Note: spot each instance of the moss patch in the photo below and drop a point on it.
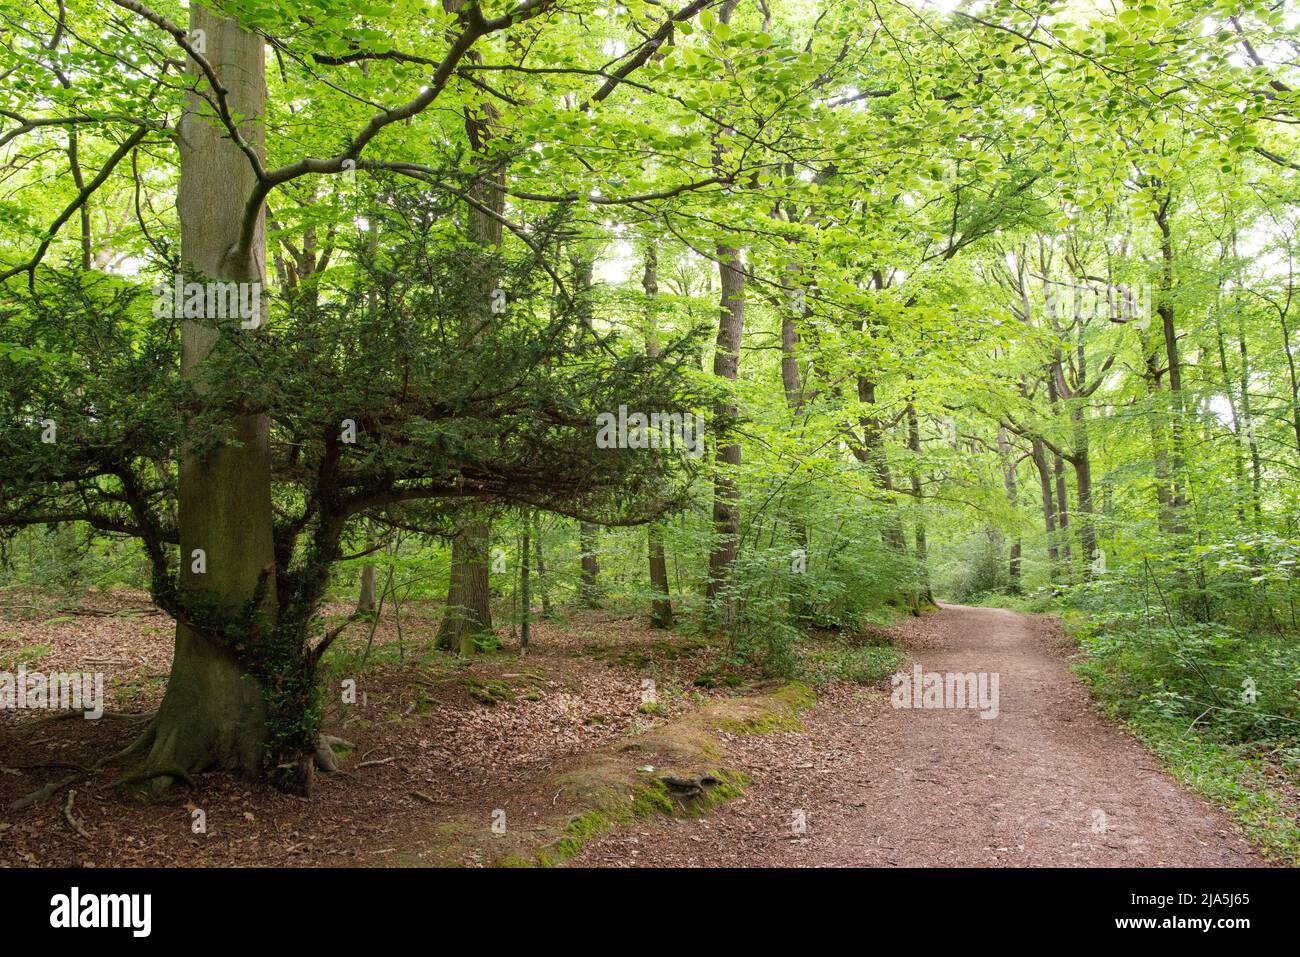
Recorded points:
(762, 724)
(675, 770)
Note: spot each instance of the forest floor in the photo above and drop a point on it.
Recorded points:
(442, 747)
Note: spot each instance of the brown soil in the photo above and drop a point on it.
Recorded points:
(431, 761)
(880, 786)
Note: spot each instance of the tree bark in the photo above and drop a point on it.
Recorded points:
(726, 491)
(1165, 309)
(468, 615)
(918, 495)
(525, 593)
(726, 364)
(366, 600)
(589, 583)
(541, 572)
(1013, 495)
(661, 606)
(213, 715)
(873, 454)
(1039, 457)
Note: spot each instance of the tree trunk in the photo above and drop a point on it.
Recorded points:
(468, 615)
(1058, 466)
(1009, 482)
(726, 491)
(661, 606)
(1238, 466)
(1081, 459)
(589, 583)
(1049, 508)
(873, 454)
(366, 601)
(1156, 426)
(918, 495)
(213, 715)
(1256, 465)
(541, 572)
(1165, 309)
(726, 364)
(525, 594)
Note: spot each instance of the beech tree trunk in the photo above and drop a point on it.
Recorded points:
(1049, 506)
(1013, 495)
(873, 454)
(661, 606)
(542, 585)
(366, 601)
(213, 715)
(918, 493)
(726, 491)
(525, 594)
(1165, 310)
(726, 363)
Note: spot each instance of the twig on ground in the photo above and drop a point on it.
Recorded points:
(67, 813)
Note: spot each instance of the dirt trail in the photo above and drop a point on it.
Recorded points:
(1049, 781)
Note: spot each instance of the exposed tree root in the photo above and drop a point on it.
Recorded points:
(67, 813)
(43, 793)
(47, 791)
(135, 716)
(173, 771)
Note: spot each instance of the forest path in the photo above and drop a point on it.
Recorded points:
(1048, 781)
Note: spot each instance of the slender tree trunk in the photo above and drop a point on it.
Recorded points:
(1165, 309)
(1039, 456)
(918, 495)
(726, 491)
(366, 601)
(1058, 469)
(726, 364)
(542, 584)
(589, 583)
(1156, 427)
(1013, 495)
(1234, 410)
(525, 593)
(873, 454)
(661, 606)
(1081, 459)
(1248, 420)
